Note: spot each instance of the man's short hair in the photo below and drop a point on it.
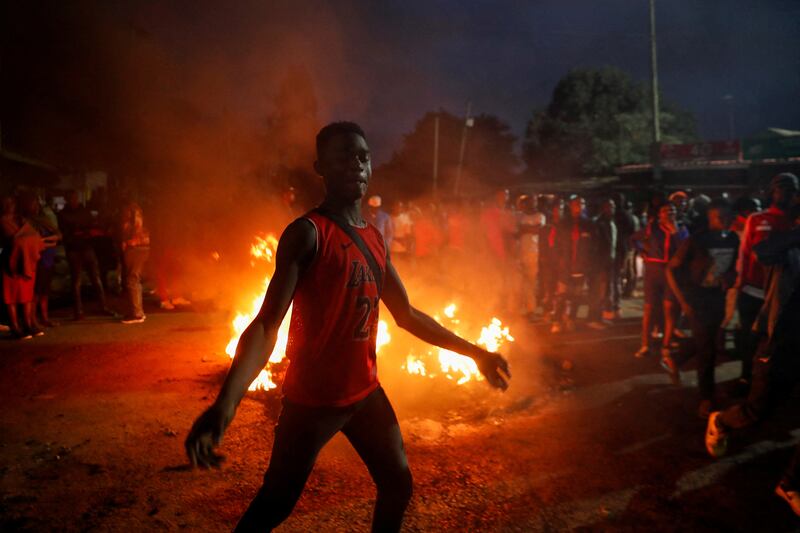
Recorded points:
(337, 128)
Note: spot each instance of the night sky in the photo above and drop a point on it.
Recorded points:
(385, 64)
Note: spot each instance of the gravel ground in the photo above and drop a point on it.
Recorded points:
(587, 438)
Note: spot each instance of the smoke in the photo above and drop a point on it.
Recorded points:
(203, 111)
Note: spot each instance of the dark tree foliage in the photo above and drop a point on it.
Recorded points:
(597, 119)
(489, 158)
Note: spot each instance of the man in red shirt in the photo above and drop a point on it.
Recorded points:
(751, 280)
(331, 384)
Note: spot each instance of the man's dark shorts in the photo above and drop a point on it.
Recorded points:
(656, 288)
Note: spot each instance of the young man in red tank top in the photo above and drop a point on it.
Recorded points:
(331, 384)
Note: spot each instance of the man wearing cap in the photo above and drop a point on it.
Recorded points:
(380, 218)
(777, 368)
(751, 281)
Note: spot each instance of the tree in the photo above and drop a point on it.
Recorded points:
(489, 158)
(597, 119)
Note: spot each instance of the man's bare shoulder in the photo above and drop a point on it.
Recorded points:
(298, 241)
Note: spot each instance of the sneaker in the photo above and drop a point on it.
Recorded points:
(36, 332)
(680, 334)
(656, 334)
(133, 320)
(167, 305)
(555, 327)
(705, 409)
(596, 325)
(20, 336)
(181, 301)
(609, 315)
(642, 352)
(716, 437)
(668, 364)
(4, 327)
(791, 496)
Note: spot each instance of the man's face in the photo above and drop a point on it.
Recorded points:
(609, 207)
(576, 207)
(783, 197)
(345, 166)
(667, 214)
(681, 203)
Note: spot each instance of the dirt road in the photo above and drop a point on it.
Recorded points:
(94, 416)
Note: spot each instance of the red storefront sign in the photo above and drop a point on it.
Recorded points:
(706, 151)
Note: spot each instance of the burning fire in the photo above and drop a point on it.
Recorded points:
(453, 366)
(262, 249)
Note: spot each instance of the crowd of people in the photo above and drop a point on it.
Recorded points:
(95, 242)
(706, 265)
(712, 264)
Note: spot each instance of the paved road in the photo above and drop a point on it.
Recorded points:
(94, 416)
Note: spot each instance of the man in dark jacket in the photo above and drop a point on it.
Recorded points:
(603, 283)
(627, 225)
(574, 244)
(76, 225)
(699, 274)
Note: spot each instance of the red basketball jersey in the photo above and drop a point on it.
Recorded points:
(334, 324)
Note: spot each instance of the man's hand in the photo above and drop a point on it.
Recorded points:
(206, 433)
(494, 368)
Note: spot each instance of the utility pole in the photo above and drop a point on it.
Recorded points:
(655, 156)
(467, 124)
(436, 156)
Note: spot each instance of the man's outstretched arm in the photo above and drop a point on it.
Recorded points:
(491, 365)
(295, 249)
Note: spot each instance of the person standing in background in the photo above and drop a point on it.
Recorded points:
(751, 281)
(21, 248)
(499, 227)
(548, 257)
(380, 218)
(658, 242)
(529, 224)
(627, 226)
(705, 264)
(75, 222)
(602, 282)
(47, 229)
(134, 242)
(574, 251)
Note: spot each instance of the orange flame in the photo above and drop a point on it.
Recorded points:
(262, 249)
(453, 366)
